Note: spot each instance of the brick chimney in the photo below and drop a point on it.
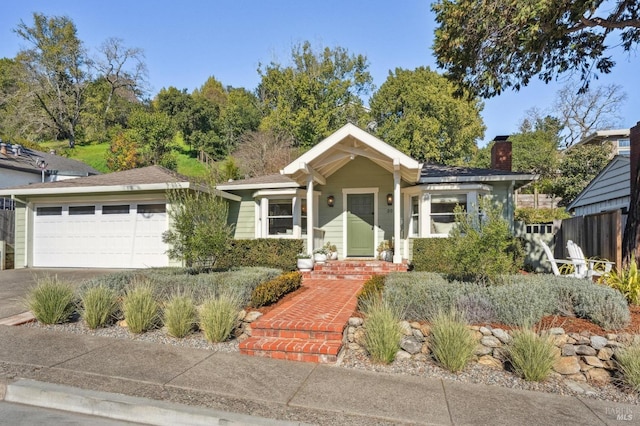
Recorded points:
(634, 154)
(501, 154)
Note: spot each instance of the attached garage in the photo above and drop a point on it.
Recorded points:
(100, 235)
(114, 220)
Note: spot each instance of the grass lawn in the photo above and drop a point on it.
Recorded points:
(94, 155)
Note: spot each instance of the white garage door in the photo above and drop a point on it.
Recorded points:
(100, 235)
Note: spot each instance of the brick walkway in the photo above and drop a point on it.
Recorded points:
(308, 327)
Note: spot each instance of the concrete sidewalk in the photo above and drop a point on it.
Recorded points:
(228, 386)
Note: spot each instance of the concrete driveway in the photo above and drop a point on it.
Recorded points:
(15, 283)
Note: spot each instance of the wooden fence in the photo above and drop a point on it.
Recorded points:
(599, 235)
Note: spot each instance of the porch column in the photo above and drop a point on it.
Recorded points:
(397, 256)
(310, 214)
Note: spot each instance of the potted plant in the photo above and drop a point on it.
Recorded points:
(332, 251)
(320, 255)
(305, 262)
(385, 251)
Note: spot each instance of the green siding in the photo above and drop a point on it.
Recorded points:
(20, 234)
(242, 216)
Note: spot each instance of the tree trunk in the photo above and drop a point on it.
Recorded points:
(631, 235)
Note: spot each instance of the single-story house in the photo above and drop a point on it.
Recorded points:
(113, 220)
(352, 190)
(355, 191)
(608, 191)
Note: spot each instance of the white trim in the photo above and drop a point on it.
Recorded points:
(257, 186)
(495, 178)
(447, 187)
(96, 189)
(376, 229)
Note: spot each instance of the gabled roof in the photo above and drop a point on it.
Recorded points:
(344, 145)
(151, 178)
(602, 135)
(437, 173)
(259, 182)
(619, 161)
(28, 161)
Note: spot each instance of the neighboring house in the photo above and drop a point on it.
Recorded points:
(608, 191)
(114, 220)
(21, 166)
(355, 191)
(619, 139)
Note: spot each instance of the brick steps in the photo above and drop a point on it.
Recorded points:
(353, 269)
(293, 349)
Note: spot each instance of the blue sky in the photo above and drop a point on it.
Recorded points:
(187, 41)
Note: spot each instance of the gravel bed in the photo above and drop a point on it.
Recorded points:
(353, 359)
(194, 340)
(480, 374)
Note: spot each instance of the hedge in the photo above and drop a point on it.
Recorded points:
(271, 291)
(268, 252)
(430, 255)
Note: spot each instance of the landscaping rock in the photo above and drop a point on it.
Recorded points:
(558, 339)
(252, 316)
(402, 356)
(502, 335)
(568, 350)
(425, 329)
(585, 350)
(405, 327)
(418, 335)
(598, 342)
(578, 377)
(420, 357)
(567, 365)
(605, 354)
(490, 361)
(584, 367)
(482, 350)
(491, 342)
(614, 344)
(501, 354)
(355, 321)
(242, 314)
(593, 361)
(598, 375)
(411, 345)
(359, 337)
(556, 331)
(610, 365)
(415, 325)
(611, 336)
(486, 331)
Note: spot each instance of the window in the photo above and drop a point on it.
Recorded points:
(280, 217)
(442, 216)
(624, 142)
(151, 208)
(303, 216)
(415, 216)
(49, 211)
(119, 209)
(7, 204)
(81, 210)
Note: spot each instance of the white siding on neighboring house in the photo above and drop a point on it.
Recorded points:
(10, 177)
(608, 191)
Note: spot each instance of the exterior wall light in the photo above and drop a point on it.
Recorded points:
(389, 199)
(331, 200)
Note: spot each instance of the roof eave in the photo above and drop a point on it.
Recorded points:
(95, 189)
(242, 186)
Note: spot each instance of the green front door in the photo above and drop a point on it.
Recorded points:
(360, 212)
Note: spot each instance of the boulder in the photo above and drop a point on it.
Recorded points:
(567, 365)
(411, 345)
(486, 331)
(598, 342)
(355, 321)
(405, 327)
(568, 350)
(585, 350)
(252, 316)
(402, 356)
(359, 337)
(491, 342)
(482, 350)
(417, 334)
(556, 331)
(502, 335)
(605, 354)
(593, 361)
(598, 375)
(490, 361)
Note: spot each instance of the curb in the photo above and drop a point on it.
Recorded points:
(122, 407)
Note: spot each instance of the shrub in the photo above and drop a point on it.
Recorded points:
(51, 301)
(372, 288)
(603, 305)
(180, 315)
(476, 308)
(540, 215)
(271, 291)
(117, 282)
(382, 330)
(431, 255)
(266, 252)
(532, 356)
(99, 306)
(522, 303)
(628, 360)
(419, 295)
(483, 250)
(219, 315)
(139, 307)
(626, 281)
(452, 343)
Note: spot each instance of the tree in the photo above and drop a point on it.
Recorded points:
(593, 109)
(316, 95)
(239, 115)
(153, 133)
(263, 153)
(578, 166)
(417, 112)
(123, 153)
(493, 45)
(200, 232)
(57, 72)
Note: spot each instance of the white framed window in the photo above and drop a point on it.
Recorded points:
(280, 217)
(414, 229)
(442, 217)
(303, 216)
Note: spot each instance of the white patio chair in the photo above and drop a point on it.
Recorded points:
(554, 262)
(587, 268)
